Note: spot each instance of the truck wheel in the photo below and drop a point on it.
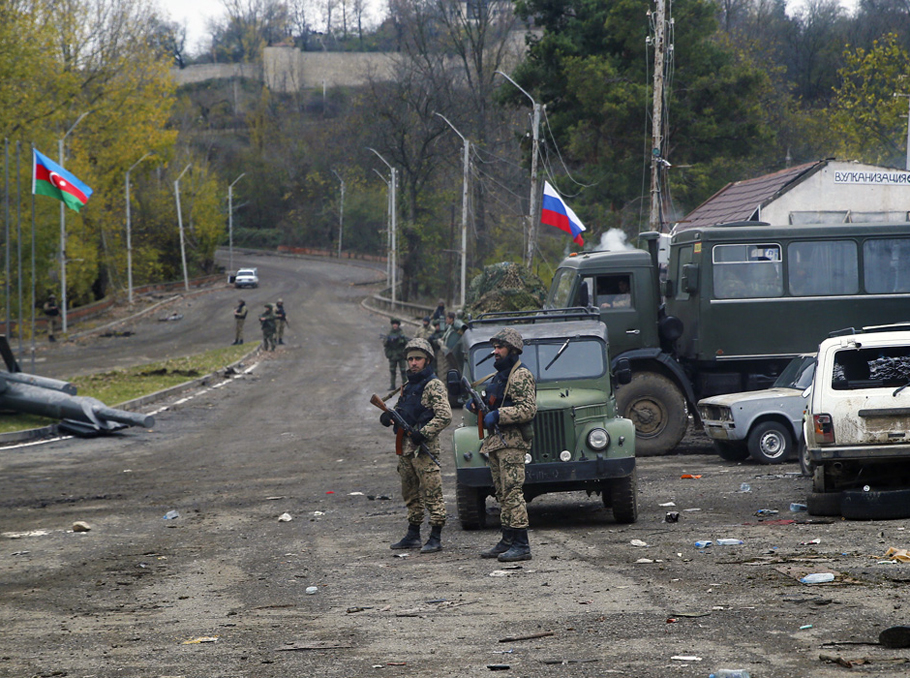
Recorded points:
(875, 504)
(730, 451)
(472, 506)
(623, 496)
(823, 503)
(770, 443)
(658, 410)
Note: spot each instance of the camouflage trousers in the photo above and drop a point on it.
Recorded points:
(238, 329)
(421, 488)
(400, 365)
(268, 340)
(508, 468)
(281, 325)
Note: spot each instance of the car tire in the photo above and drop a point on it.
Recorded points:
(806, 466)
(624, 499)
(657, 408)
(770, 443)
(824, 503)
(730, 451)
(472, 506)
(875, 504)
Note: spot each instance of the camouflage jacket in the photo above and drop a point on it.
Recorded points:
(394, 344)
(423, 332)
(434, 398)
(521, 391)
(267, 320)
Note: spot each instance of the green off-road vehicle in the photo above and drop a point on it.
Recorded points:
(580, 443)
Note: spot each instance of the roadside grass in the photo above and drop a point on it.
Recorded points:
(119, 386)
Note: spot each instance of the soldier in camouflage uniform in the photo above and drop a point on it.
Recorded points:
(512, 399)
(394, 344)
(424, 405)
(425, 329)
(267, 322)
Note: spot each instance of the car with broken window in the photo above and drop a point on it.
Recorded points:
(766, 424)
(857, 425)
(580, 441)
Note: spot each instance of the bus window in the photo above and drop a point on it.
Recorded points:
(747, 271)
(882, 269)
(822, 267)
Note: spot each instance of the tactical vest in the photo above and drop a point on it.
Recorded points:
(495, 399)
(409, 405)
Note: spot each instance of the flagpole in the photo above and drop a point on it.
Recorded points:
(6, 230)
(60, 143)
(129, 235)
(34, 291)
(19, 241)
(186, 279)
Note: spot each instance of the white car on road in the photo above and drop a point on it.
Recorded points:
(246, 277)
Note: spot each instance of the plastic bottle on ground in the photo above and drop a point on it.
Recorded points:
(703, 544)
(795, 507)
(817, 578)
(730, 673)
(729, 542)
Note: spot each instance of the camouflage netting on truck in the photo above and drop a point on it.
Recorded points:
(505, 286)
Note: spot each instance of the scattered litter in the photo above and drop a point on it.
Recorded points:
(544, 634)
(729, 542)
(691, 510)
(685, 658)
(690, 476)
(355, 494)
(811, 542)
(352, 610)
(897, 554)
(643, 561)
(330, 491)
(499, 573)
(745, 487)
(401, 555)
(318, 513)
(200, 639)
(20, 553)
(638, 542)
(566, 662)
(498, 667)
(81, 526)
(796, 507)
(311, 645)
(273, 498)
(703, 544)
(285, 518)
(805, 627)
(310, 590)
(172, 316)
(767, 512)
(171, 515)
(671, 517)
(817, 578)
(669, 504)
(512, 651)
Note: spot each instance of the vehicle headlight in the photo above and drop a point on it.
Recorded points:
(598, 439)
(565, 455)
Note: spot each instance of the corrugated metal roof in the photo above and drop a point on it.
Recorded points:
(741, 200)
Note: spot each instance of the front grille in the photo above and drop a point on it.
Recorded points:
(549, 436)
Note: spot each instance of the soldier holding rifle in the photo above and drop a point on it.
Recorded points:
(419, 417)
(508, 411)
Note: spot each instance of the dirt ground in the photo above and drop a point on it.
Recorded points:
(221, 590)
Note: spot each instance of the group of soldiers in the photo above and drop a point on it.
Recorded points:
(508, 410)
(273, 322)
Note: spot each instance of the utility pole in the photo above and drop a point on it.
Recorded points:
(186, 278)
(464, 206)
(388, 225)
(129, 237)
(657, 107)
(534, 217)
(340, 213)
(231, 222)
(393, 246)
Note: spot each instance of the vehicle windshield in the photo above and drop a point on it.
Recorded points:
(583, 358)
(797, 374)
(561, 288)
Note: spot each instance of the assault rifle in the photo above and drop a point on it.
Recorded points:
(482, 410)
(402, 427)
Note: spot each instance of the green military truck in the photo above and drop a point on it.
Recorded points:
(580, 442)
(735, 303)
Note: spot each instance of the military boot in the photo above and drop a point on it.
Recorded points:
(520, 550)
(411, 540)
(433, 543)
(504, 544)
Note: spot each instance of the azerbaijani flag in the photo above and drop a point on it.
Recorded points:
(52, 180)
(557, 213)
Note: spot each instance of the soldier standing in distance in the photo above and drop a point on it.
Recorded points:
(239, 319)
(394, 343)
(425, 329)
(281, 318)
(424, 405)
(512, 399)
(267, 322)
(52, 311)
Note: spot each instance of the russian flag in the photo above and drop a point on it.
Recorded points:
(557, 213)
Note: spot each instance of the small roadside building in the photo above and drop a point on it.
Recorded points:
(823, 192)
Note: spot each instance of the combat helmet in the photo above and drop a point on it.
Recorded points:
(419, 345)
(510, 338)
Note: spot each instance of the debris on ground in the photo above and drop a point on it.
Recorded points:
(81, 526)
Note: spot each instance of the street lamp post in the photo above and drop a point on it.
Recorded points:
(186, 278)
(129, 242)
(340, 213)
(388, 225)
(231, 221)
(393, 246)
(532, 226)
(60, 143)
(464, 206)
